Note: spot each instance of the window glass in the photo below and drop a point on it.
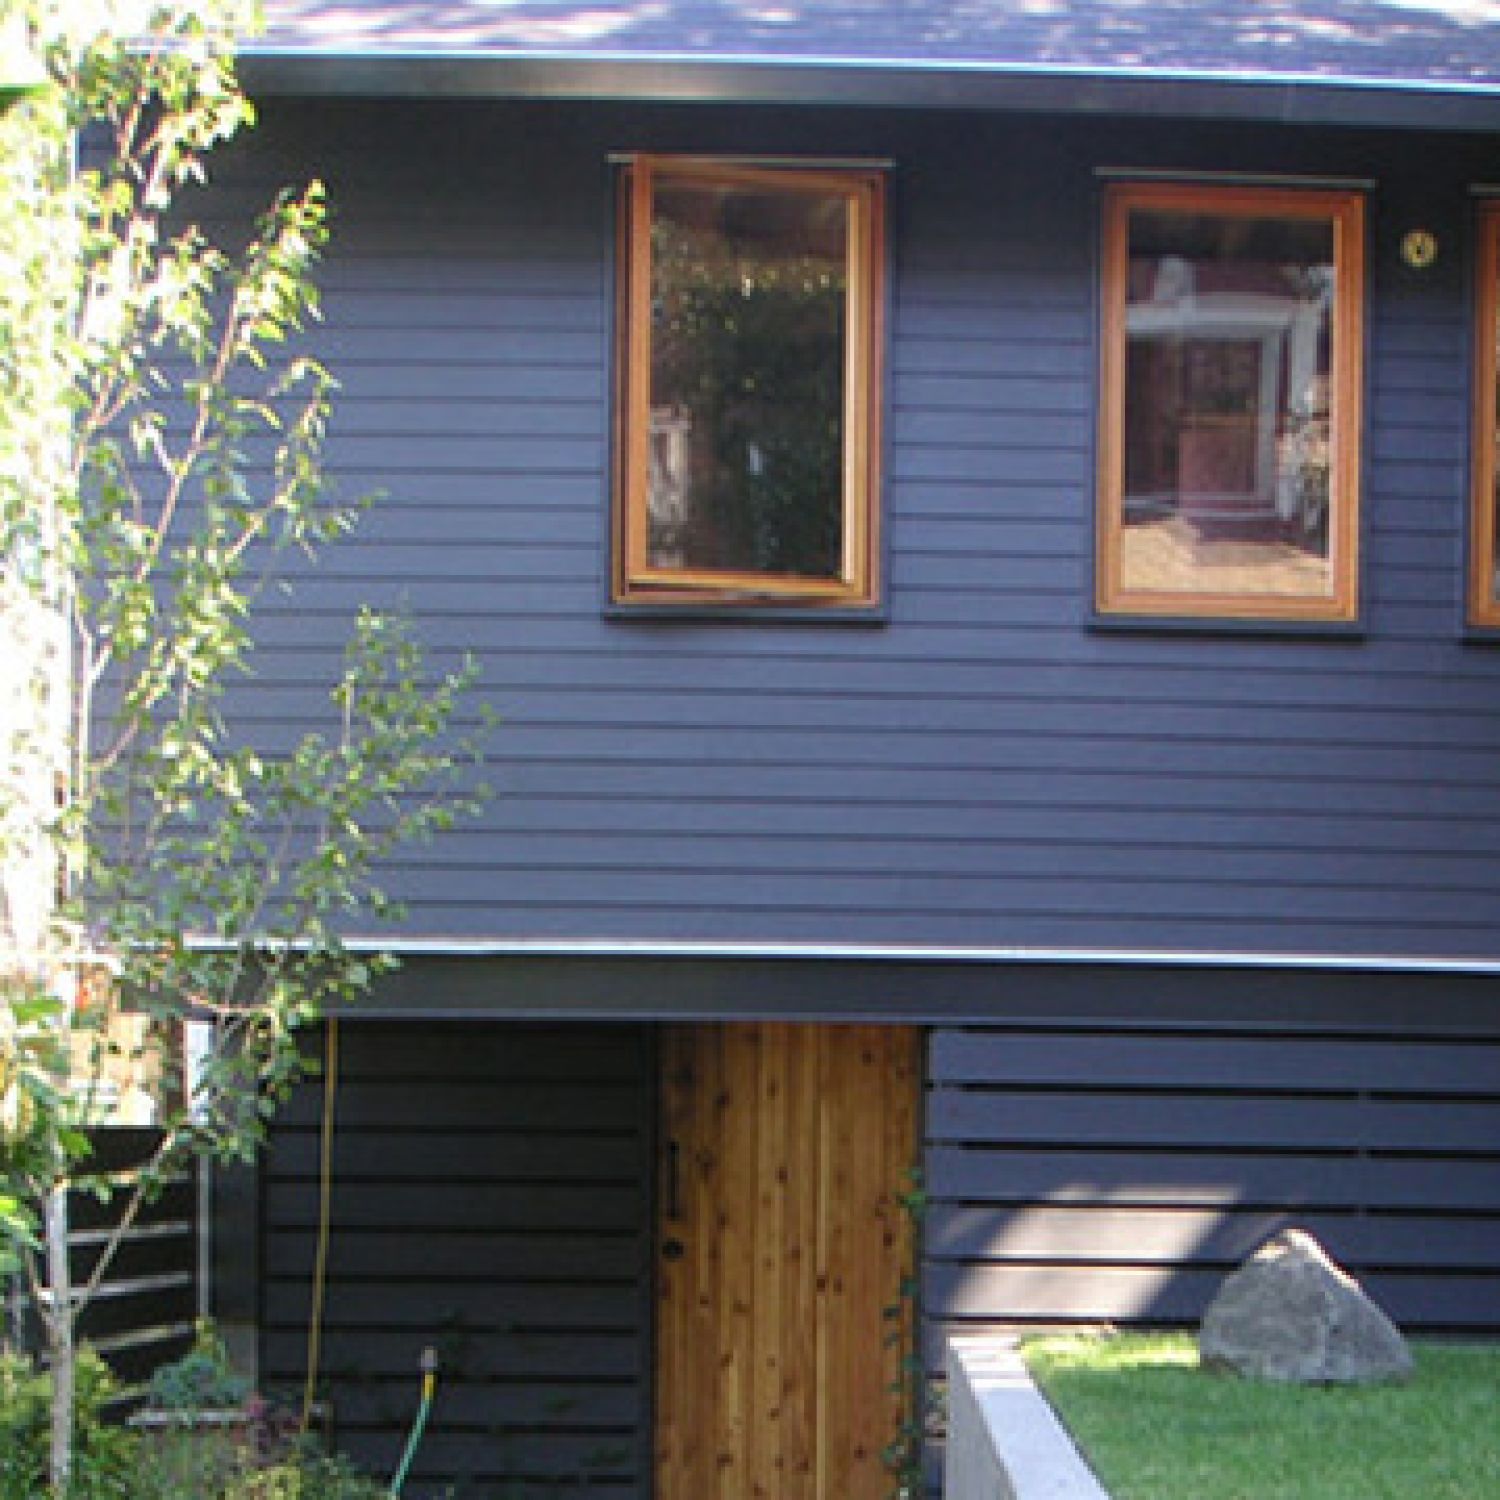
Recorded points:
(750, 376)
(748, 292)
(1228, 453)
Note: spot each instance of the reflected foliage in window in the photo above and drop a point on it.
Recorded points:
(750, 368)
(747, 376)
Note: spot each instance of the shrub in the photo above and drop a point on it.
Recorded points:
(201, 1380)
(108, 1457)
(306, 1476)
(116, 1463)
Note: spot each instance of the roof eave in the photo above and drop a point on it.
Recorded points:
(1293, 99)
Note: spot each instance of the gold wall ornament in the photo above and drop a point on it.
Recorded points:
(1419, 248)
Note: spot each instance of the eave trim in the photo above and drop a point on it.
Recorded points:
(1000, 957)
(671, 77)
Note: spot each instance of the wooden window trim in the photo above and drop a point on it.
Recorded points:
(634, 580)
(1484, 607)
(1345, 211)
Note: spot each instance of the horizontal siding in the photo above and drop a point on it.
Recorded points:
(489, 1200)
(983, 767)
(1113, 1175)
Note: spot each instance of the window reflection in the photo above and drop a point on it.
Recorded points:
(1230, 403)
(1228, 335)
(750, 369)
(748, 294)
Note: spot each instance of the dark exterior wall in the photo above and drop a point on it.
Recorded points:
(490, 1193)
(983, 768)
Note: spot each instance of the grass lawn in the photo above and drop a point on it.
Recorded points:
(1156, 1427)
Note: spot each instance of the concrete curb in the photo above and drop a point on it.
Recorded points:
(1004, 1441)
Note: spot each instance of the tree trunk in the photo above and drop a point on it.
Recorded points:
(61, 1349)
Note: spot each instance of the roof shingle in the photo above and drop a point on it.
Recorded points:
(1412, 43)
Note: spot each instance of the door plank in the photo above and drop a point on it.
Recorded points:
(798, 1270)
(727, 1217)
(785, 1150)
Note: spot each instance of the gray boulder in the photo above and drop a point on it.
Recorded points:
(1290, 1314)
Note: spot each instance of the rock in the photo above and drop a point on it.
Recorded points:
(1290, 1314)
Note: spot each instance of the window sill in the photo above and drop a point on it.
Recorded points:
(699, 611)
(1221, 625)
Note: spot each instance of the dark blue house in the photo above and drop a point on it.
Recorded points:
(980, 523)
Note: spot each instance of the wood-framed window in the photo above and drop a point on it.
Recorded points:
(1484, 562)
(1230, 385)
(749, 347)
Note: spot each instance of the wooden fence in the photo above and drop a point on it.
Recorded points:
(144, 1310)
(1094, 1175)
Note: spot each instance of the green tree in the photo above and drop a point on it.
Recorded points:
(160, 439)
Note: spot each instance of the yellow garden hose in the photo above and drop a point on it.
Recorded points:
(320, 1274)
(325, 1203)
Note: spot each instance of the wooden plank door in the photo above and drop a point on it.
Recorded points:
(782, 1249)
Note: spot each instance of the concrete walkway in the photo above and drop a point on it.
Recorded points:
(1004, 1442)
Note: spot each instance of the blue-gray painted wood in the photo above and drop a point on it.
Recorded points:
(1365, 1001)
(490, 1199)
(983, 768)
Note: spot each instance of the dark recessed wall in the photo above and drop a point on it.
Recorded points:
(489, 1199)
